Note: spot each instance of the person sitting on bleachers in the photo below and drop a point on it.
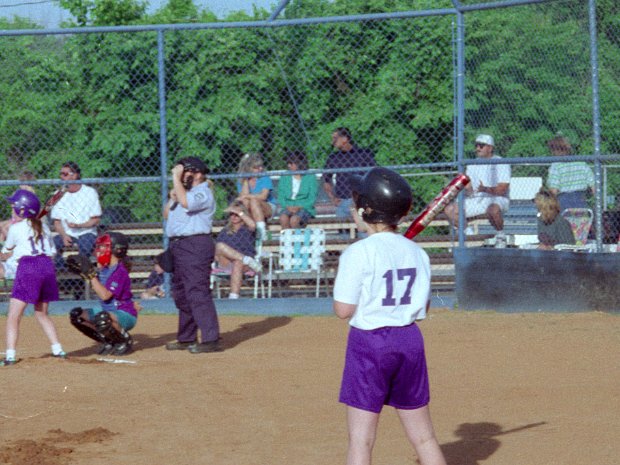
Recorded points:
(154, 283)
(487, 193)
(297, 193)
(553, 228)
(235, 247)
(571, 181)
(256, 192)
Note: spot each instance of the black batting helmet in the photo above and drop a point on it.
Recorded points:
(383, 194)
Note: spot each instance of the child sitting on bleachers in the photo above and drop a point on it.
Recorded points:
(154, 284)
(235, 247)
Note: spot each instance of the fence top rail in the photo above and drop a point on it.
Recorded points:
(272, 20)
(266, 23)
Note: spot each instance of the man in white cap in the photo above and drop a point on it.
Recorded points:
(487, 193)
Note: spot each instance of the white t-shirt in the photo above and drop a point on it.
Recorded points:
(489, 175)
(388, 277)
(77, 207)
(21, 241)
(296, 183)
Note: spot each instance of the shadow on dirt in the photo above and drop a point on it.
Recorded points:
(248, 331)
(478, 442)
(229, 340)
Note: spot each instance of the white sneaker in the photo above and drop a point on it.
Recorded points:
(249, 261)
(469, 231)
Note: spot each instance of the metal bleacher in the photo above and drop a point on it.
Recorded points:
(520, 219)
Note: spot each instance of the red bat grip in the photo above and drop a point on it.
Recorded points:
(437, 205)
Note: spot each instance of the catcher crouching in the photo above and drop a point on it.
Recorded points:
(110, 281)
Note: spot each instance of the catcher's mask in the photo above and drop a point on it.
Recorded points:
(382, 196)
(109, 244)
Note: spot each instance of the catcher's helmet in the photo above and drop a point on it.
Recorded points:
(111, 243)
(25, 203)
(120, 244)
(193, 164)
(383, 194)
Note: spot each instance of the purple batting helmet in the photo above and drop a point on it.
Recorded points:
(25, 203)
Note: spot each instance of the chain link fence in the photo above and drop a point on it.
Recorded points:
(414, 86)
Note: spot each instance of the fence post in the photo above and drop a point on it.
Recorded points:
(163, 137)
(596, 125)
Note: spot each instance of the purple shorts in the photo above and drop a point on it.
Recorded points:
(35, 280)
(385, 366)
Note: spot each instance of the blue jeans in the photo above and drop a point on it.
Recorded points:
(343, 208)
(85, 243)
(575, 199)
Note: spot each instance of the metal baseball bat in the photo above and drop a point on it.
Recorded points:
(51, 201)
(437, 205)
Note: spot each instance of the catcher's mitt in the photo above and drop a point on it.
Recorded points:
(81, 265)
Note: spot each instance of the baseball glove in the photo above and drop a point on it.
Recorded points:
(81, 265)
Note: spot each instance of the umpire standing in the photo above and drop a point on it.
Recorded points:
(190, 214)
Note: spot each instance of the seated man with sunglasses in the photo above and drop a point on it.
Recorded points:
(487, 193)
(76, 215)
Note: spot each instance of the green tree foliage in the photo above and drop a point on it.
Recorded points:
(105, 12)
(36, 84)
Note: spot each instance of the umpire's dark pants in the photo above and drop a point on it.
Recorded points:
(193, 256)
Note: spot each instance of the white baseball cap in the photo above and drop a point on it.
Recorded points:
(485, 139)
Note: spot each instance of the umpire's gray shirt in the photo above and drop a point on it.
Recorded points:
(197, 218)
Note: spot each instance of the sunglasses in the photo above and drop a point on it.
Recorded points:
(479, 145)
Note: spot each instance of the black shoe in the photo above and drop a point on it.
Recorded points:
(176, 345)
(122, 349)
(105, 349)
(205, 347)
(7, 362)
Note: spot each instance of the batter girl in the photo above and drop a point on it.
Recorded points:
(383, 288)
(30, 243)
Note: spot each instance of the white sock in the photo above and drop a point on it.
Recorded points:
(10, 354)
(56, 348)
(233, 295)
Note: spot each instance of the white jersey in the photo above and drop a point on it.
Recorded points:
(77, 207)
(388, 277)
(21, 241)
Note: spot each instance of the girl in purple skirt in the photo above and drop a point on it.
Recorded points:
(30, 243)
(383, 288)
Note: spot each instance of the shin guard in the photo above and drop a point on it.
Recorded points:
(83, 326)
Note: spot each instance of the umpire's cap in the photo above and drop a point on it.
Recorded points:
(194, 164)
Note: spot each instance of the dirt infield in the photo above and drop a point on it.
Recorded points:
(506, 389)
